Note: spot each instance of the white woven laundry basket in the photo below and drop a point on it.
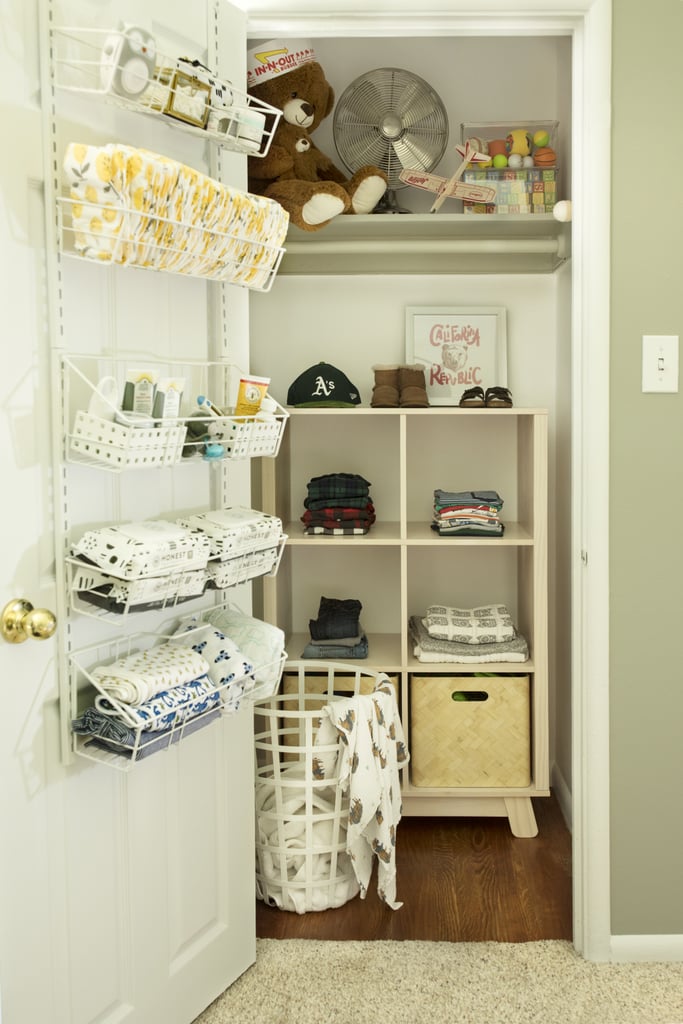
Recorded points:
(301, 812)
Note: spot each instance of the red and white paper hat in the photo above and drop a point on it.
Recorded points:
(277, 57)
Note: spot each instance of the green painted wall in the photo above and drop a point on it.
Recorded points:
(646, 469)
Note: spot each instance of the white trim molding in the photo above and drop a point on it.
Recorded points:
(631, 949)
(589, 24)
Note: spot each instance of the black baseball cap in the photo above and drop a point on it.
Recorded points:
(323, 385)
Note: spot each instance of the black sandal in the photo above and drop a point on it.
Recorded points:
(473, 398)
(498, 398)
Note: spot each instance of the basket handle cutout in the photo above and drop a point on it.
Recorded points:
(469, 695)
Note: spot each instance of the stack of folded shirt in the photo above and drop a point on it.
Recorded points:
(467, 514)
(337, 632)
(482, 634)
(338, 504)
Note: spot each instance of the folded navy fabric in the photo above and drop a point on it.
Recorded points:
(336, 651)
(336, 618)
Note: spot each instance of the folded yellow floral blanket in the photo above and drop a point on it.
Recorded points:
(135, 207)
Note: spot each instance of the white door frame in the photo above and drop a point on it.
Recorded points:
(589, 24)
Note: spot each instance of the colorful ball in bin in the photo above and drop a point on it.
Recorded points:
(545, 157)
(500, 160)
(496, 147)
(541, 138)
(518, 141)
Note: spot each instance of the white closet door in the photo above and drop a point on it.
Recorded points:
(126, 896)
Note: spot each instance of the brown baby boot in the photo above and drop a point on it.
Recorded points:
(385, 391)
(412, 389)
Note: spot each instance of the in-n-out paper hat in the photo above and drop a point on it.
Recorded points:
(277, 57)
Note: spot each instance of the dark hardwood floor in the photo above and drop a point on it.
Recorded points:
(460, 880)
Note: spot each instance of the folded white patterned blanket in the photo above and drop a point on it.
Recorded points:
(431, 649)
(143, 209)
(485, 624)
(139, 676)
(262, 642)
(166, 708)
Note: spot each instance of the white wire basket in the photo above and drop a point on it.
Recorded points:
(129, 743)
(301, 813)
(93, 61)
(115, 235)
(121, 442)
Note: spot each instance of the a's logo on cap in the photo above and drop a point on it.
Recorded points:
(323, 387)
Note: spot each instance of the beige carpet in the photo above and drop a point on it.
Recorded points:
(297, 981)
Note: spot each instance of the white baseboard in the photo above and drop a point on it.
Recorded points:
(631, 949)
(563, 794)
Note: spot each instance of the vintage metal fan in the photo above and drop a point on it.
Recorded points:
(393, 119)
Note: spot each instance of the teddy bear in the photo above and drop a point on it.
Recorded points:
(295, 172)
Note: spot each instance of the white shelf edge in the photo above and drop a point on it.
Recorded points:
(429, 243)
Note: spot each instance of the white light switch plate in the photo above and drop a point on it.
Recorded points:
(660, 363)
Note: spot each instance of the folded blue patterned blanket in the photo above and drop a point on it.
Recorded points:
(109, 734)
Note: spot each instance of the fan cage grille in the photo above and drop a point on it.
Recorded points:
(393, 119)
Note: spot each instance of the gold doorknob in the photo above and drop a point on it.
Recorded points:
(20, 620)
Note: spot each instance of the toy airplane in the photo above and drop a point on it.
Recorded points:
(453, 188)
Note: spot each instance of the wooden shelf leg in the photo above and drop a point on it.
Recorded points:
(521, 816)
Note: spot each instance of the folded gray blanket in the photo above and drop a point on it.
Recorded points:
(431, 649)
(110, 734)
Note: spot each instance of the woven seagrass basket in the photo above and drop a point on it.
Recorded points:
(470, 731)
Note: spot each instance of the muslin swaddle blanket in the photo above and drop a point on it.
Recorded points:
(372, 749)
(228, 667)
(165, 708)
(485, 624)
(143, 209)
(262, 642)
(139, 676)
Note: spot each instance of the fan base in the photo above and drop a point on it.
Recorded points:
(389, 204)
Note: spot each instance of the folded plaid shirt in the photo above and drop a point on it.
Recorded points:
(339, 531)
(336, 485)
(327, 516)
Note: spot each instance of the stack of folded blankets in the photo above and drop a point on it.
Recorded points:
(337, 632)
(149, 698)
(467, 514)
(338, 504)
(482, 634)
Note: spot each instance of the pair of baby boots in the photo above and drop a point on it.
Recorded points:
(399, 386)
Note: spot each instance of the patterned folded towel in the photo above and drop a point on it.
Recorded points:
(485, 624)
(430, 649)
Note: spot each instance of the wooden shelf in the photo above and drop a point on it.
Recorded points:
(402, 565)
(426, 243)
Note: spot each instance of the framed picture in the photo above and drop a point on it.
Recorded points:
(459, 347)
(189, 99)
